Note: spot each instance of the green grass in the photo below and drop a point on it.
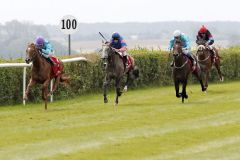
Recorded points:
(148, 124)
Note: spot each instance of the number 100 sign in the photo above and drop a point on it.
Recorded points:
(68, 24)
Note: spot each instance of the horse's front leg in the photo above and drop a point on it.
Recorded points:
(118, 89)
(200, 76)
(45, 92)
(176, 83)
(105, 86)
(127, 82)
(206, 78)
(30, 84)
(217, 65)
(184, 92)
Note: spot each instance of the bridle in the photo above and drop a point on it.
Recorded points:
(201, 49)
(34, 54)
(177, 55)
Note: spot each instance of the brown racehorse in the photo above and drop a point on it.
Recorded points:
(205, 59)
(181, 70)
(42, 73)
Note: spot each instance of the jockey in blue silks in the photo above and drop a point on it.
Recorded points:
(178, 35)
(118, 43)
(46, 48)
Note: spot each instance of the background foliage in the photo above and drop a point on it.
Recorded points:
(87, 77)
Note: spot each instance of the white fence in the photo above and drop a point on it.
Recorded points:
(24, 65)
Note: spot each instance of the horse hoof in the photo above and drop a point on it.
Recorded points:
(204, 90)
(186, 96)
(105, 100)
(222, 79)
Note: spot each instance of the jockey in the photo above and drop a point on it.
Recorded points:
(185, 44)
(45, 48)
(204, 34)
(119, 44)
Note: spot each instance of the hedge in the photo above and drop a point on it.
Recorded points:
(88, 76)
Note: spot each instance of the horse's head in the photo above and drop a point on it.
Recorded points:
(31, 53)
(200, 49)
(107, 50)
(177, 48)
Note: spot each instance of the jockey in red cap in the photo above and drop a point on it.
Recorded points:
(205, 35)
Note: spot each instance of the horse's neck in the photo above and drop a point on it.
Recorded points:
(39, 62)
(115, 59)
(180, 59)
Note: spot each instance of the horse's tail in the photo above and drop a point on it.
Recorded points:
(65, 79)
(136, 72)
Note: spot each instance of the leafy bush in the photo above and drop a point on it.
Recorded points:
(88, 76)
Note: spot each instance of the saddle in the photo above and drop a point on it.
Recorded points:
(56, 68)
(129, 61)
(191, 63)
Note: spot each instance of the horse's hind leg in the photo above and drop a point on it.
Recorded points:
(217, 65)
(45, 92)
(206, 79)
(200, 76)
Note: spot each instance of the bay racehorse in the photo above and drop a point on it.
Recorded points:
(116, 70)
(206, 61)
(182, 68)
(42, 73)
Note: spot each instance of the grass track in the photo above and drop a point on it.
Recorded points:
(149, 124)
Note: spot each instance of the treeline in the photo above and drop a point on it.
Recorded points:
(222, 31)
(15, 35)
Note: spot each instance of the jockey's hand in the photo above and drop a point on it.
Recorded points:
(116, 50)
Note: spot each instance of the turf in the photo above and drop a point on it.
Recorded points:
(148, 124)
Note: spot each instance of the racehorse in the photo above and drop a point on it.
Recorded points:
(182, 67)
(115, 69)
(42, 73)
(205, 59)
